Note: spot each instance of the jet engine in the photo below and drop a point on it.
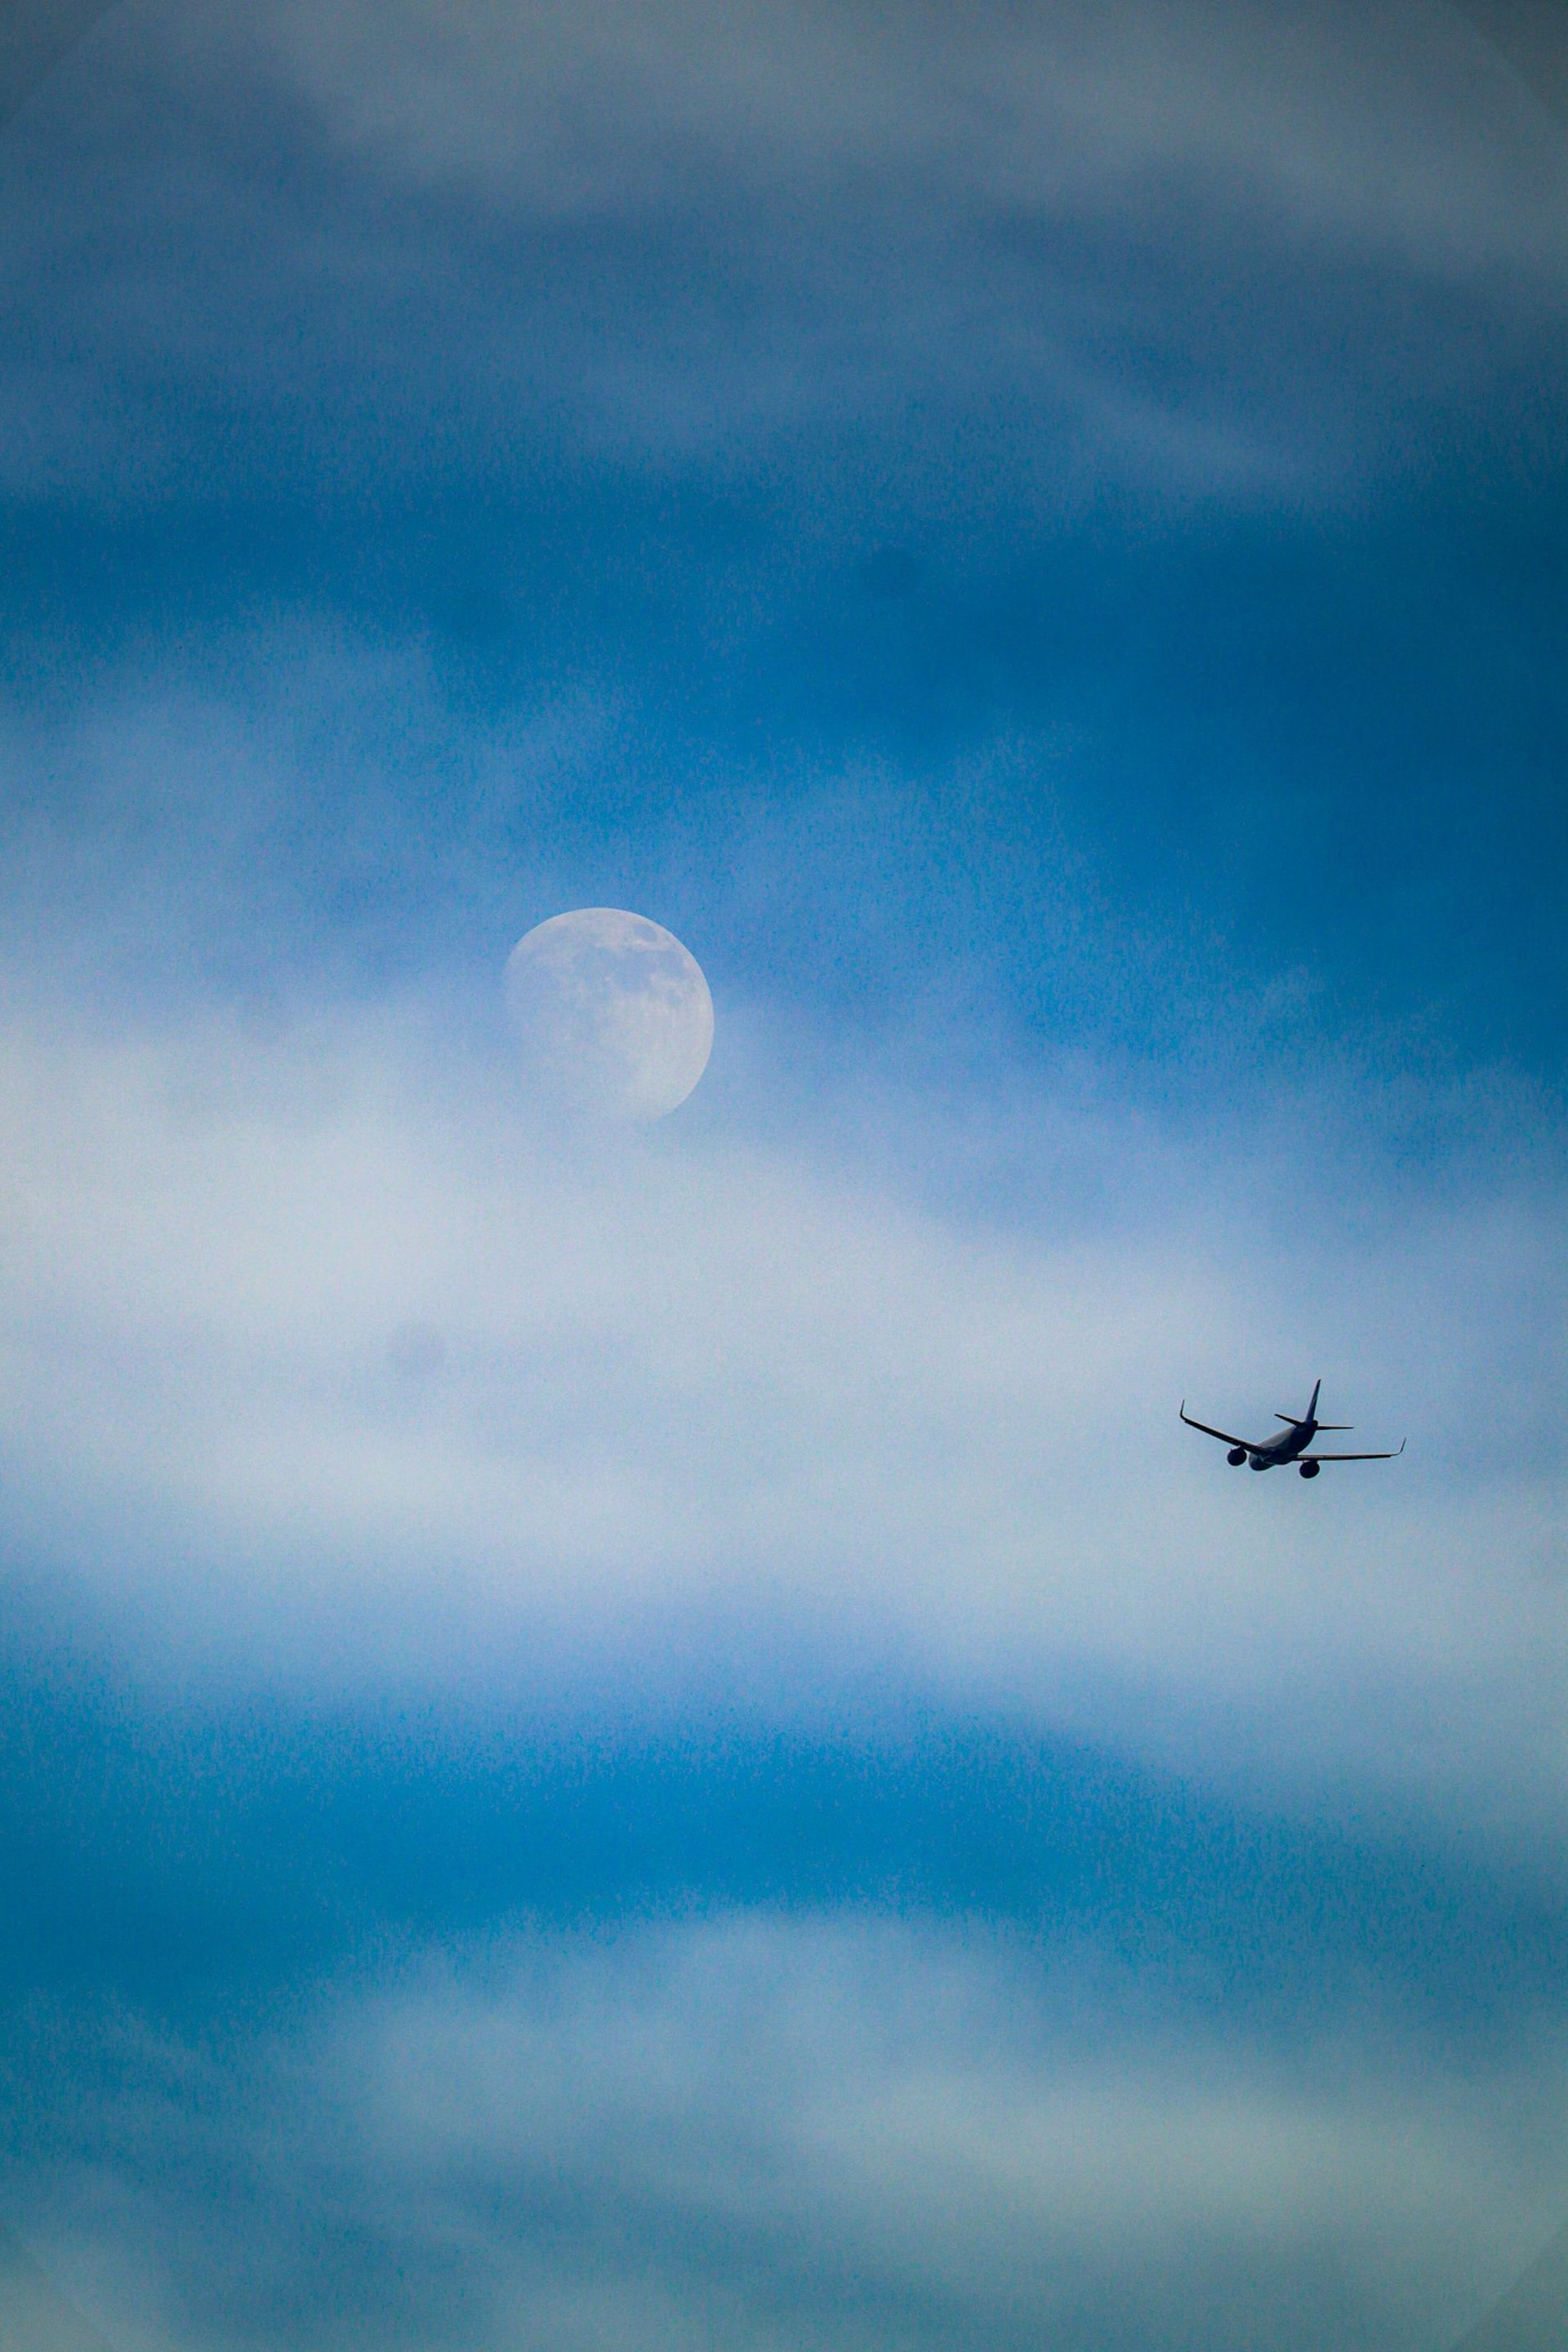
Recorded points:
(1308, 1469)
(1237, 1456)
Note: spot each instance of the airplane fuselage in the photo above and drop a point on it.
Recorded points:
(1285, 1447)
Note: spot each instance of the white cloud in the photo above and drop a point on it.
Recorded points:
(752, 2131)
(841, 1383)
(1193, 252)
(707, 1378)
(1336, 121)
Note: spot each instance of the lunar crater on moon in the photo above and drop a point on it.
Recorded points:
(612, 1014)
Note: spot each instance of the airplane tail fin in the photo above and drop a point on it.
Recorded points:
(1311, 1415)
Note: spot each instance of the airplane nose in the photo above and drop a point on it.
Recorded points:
(1258, 1462)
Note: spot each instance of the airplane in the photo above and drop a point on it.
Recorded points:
(1290, 1445)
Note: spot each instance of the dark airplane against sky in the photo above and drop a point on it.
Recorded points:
(1291, 1444)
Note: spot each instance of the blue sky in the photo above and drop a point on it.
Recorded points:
(662, 1739)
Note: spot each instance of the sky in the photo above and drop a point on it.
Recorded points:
(657, 1737)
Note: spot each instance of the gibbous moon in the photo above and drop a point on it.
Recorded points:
(614, 1014)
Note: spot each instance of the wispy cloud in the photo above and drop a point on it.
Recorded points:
(1057, 110)
(757, 2130)
(1190, 254)
(1020, 537)
(774, 1364)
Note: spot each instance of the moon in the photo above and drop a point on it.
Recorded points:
(614, 1014)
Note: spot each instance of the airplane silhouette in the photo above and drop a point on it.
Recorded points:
(1290, 1445)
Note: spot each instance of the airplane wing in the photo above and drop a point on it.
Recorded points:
(1223, 1435)
(1393, 1456)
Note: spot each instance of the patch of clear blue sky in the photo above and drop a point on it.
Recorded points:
(1253, 748)
(1279, 732)
(183, 1858)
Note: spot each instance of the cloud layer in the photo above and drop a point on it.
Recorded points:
(1202, 253)
(665, 1740)
(752, 1371)
(759, 2130)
